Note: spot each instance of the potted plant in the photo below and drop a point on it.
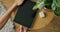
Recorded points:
(50, 8)
(54, 5)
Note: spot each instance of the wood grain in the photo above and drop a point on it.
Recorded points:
(48, 24)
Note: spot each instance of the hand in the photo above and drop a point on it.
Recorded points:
(19, 2)
(21, 29)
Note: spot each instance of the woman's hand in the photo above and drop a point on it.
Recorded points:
(19, 2)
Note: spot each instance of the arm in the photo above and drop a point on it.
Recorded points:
(6, 16)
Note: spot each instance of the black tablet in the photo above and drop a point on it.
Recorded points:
(26, 14)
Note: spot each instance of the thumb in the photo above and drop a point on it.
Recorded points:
(20, 2)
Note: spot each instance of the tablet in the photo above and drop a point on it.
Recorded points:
(25, 15)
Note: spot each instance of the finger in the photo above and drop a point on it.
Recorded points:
(20, 2)
(24, 29)
(20, 28)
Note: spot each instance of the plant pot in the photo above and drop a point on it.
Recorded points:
(47, 10)
(42, 22)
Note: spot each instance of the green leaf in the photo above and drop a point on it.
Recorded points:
(39, 6)
(35, 7)
(57, 2)
(48, 3)
(53, 6)
(57, 11)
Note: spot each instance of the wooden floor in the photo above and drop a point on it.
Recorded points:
(53, 26)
